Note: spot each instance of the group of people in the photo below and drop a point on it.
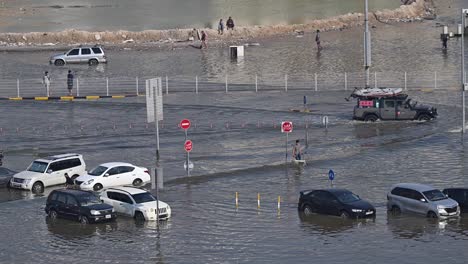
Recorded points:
(46, 81)
(229, 25)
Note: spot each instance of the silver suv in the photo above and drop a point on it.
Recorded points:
(90, 55)
(421, 199)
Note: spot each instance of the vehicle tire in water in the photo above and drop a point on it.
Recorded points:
(137, 182)
(93, 62)
(424, 117)
(97, 187)
(307, 210)
(139, 217)
(84, 220)
(37, 187)
(52, 214)
(371, 118)
(344, 215)
(396, 210)
(431, 215)
(59, 62)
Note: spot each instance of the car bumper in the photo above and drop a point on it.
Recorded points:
(152, 216)
(86, 187)
(364, 214)
(449, 215)
(102, 218)
(20, 186)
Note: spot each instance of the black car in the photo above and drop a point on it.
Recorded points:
(339, 202)
(5, 176)
(460, 195)
(78, 205)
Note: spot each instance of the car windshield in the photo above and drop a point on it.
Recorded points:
(143, 197)
(348, 197)
(88, 200)
(434, 195)
(97, 171)
(412, 103)
(38, 166)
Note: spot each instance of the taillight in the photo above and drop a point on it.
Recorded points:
(147, 171)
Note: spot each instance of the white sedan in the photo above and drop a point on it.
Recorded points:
(113, 174)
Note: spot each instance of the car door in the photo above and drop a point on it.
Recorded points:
(419, 206)
(403, 112)
(387, 110)
(57, 171)
(73, 56)
(312, 201)
(111, 177)
(331, 205)
(60, 204)
(71, 208)
(127, 174)
(123, 203)
(85, 55)
(321, 202)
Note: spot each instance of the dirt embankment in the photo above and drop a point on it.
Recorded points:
(417, 11)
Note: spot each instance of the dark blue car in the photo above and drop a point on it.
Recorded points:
(338, 202)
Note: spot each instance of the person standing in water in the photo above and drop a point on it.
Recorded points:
(220, 27)
(70, 82)
(317, 39)
(203, 40)
(297, 151)
(46, 82)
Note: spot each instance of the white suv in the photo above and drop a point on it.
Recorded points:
(136, 203)
(49, 171)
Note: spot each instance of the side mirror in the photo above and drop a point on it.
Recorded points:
(422, 200)
(49, 171)
(106, 175)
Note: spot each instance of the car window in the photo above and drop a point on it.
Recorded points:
(74, 163)
(38, 166)
(85, 51)
(62, 198)
(143, 197)
(415, 195)
(389, 104)
(126, 199)
(120, 197)
(97, 50)
(434, 195)
(71, 201)
(73, 52)
(58, 165)
(322, 196)
(114, 171)
(125, 169)
(399, 104)
(98, 171)
(53, 196)
(396, 191)
(90, 199)
(347, 197)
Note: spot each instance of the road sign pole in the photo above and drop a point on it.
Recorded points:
(187, 156)
(286, 145)
(157, 139)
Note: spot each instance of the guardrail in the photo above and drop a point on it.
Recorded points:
(107, 86)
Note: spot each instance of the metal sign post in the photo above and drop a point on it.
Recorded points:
(286, 127)
(464, 12)
(188, 145)
(367, 44)
(154, 106)
(185, 125)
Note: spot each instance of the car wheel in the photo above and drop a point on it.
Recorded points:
(93, 62)
(52, 214)
(59, 62)
(307, 210)
(431, 215)
(38, 187)
(396, 210)
(84, 220)
(139, 217)
(97, 187)
(371, 118)
(137, 182)
(424, 117)
(344, 215)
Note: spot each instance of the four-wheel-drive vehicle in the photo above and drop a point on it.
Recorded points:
(338, 202)
(397, 107)
(82, 206)
(137, 203)
(49, 171)
(421, 199)
(92, 55)
(460, 195)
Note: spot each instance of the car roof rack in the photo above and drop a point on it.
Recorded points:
(61, 156)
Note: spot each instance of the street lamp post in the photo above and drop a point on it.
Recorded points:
(367, 44)
(464, 12)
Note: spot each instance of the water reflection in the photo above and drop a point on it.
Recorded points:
(330, 225)
(73, 230)
(415, 227)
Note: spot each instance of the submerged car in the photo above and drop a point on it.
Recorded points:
(337, 202)
(380, 106)
(5, 176)
(113, 174)
(78, 205)
(136, 203)
(460, 195)
(421, 199)
(90, 55)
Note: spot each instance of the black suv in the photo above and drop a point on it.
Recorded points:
(339, 202)
(398, 107)
(78, 205)
(460, 195)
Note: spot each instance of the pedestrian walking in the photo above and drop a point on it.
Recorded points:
(70, 82)
(230, 24)
(317, 39)
(46, 82)
(203, 39)
(444, 38)
(220, 27)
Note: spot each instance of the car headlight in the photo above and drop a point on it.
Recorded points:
(95, 212)
(356, 210)
(26, 182)
(113, 210)
(90, 181)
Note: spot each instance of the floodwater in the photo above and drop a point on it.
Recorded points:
(168, 14)
(238, 147)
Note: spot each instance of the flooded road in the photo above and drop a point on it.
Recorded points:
(245, 156)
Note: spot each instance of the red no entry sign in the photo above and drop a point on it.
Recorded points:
(286, 127)
(188, 145)
(185, 124)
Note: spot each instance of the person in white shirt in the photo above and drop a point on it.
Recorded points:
(46, 82)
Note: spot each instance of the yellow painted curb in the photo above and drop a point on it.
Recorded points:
(66, 97)
(429, 90)
(41, 98)
(92, 97)
(15, 98)
(118, 96)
